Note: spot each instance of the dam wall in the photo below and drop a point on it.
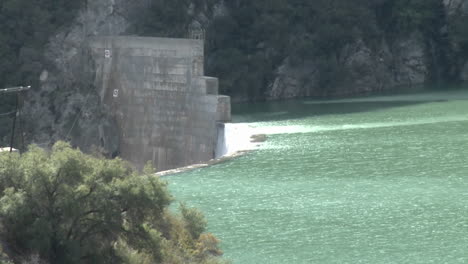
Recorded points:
(166, 110)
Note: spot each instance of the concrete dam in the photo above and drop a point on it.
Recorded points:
(167, 112)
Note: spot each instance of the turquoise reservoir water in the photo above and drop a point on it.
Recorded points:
(367, 180)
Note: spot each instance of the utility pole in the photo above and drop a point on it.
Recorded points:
(18, 90)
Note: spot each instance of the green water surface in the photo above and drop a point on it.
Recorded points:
(366, 180)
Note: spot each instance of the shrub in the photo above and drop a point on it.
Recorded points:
(68, 207)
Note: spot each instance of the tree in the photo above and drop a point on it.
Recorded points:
(26, 28)
(68, 207)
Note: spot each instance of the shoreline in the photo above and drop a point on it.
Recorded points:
(202, 165)
(255, 140)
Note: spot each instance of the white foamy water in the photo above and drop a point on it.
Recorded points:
(293, 129)
(234, 137)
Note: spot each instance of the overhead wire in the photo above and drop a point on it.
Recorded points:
(8, 113)
(78, 116)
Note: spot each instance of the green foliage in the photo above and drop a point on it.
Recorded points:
(194, 219)
(68, 207)
(459, 34)
(26, 28)
(246, 47)
(170, 18)
(165, 19)
(401, 17)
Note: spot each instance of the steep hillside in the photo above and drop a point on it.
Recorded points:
(63, 103)
(284, 48)
(260, 50)
(26, 29)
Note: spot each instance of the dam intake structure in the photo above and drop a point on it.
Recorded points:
(165, 110)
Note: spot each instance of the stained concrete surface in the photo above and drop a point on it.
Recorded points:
(165, 108)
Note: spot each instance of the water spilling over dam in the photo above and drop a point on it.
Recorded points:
(233, 138)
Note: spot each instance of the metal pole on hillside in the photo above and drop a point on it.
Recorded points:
(18, 91)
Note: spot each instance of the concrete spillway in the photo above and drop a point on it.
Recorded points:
(165, 108)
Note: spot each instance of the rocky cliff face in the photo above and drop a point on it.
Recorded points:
(67, 106)
(366, 70)
(406, 61)
(456, 9)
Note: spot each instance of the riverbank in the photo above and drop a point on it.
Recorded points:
(232, 154)
(199, 166)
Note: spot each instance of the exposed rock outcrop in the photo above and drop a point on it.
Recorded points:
(464, 72)
(455, 6)
(458, 9)
(67, 105)
(367, 70)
